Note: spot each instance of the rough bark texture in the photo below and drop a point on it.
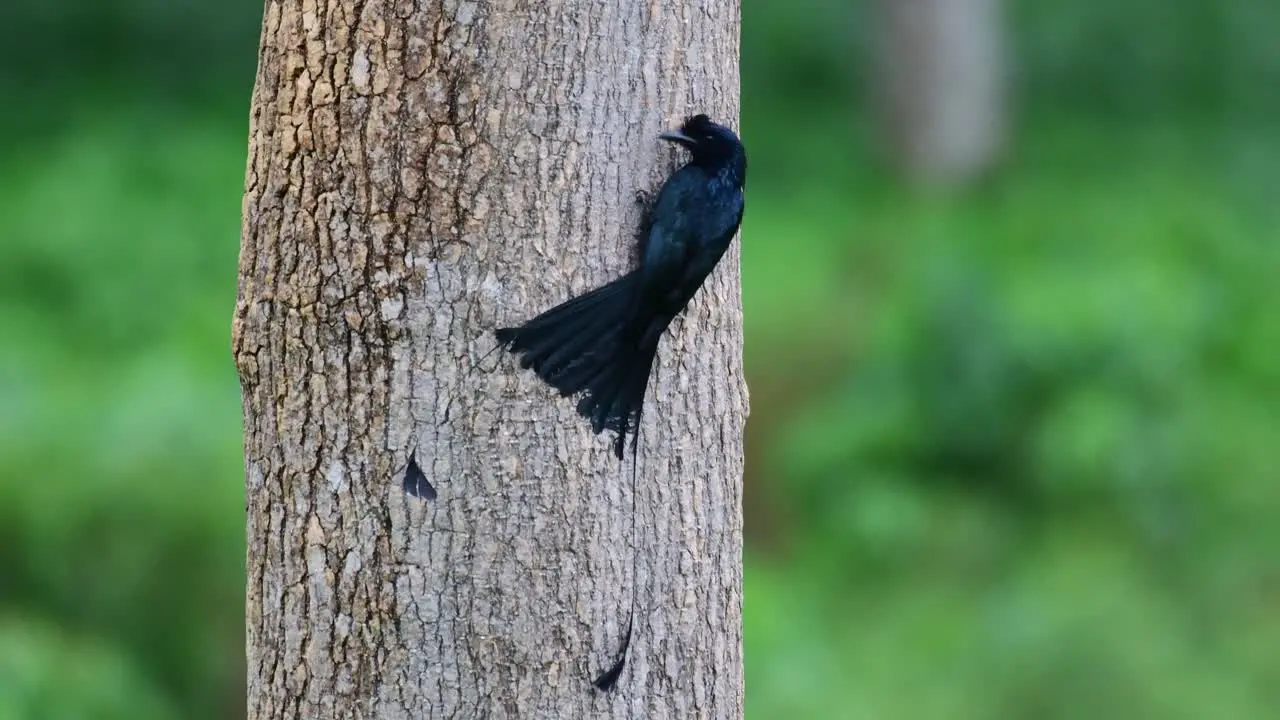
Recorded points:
(941, 83)
(418, 174)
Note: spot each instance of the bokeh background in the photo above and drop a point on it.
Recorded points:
(1014, 359)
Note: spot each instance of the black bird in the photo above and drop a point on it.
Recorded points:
(602, 344)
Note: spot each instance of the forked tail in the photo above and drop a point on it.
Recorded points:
(601, 345)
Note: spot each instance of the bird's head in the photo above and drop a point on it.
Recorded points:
(710, 144)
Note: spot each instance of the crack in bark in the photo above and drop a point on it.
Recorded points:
(418, 173)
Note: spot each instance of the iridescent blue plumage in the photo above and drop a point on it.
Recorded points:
(602, 344)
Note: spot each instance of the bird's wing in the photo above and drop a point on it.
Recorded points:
(673, 228)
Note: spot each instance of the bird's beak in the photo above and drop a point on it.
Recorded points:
(676, 136)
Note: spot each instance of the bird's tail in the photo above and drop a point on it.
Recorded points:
(601, 345)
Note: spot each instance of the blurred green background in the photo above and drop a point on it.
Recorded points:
(1012, 445)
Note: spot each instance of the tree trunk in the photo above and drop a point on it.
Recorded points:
(419, 174)
(941, 86)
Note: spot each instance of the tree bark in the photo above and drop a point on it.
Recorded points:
(419, 174)
(941, 86)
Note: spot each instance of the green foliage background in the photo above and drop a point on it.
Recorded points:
(1011, 454)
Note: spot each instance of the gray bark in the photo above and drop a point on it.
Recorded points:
(941, 84)
(419, 174)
